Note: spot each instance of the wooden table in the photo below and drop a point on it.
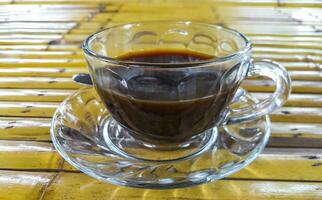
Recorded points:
(40, 51)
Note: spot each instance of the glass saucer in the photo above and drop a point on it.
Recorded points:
(87, 137)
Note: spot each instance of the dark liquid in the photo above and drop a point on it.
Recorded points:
(165, 105)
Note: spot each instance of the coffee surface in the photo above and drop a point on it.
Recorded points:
(165, 56)
(169, 105)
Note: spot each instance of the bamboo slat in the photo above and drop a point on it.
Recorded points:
(23, 47)
(287, 51)
(288, 44)
(294, 161)
(306, 75)
(65, 2)
(48, 18)
(40, 54)
(299, 130)
(78, 186)
(289, 57)
(271, 3)
(301, 66)
(17, 185)
(44, 72)
(57, 4)
(43, 47)
(296, 135)
(312, 87)
(283, 34)
(5, 2)
(39, 82)
(297, 100)
(298, 114)
(63, 47)
(29, 36)
(27, 109)
(287, 39)
(179, 14)
(24, 31)
(29, 155)
(89, 25)
(38, 25)
(84, 30)
(29, 62)
(34, 95)
(36, 129)
(75, 38)
(24, 41)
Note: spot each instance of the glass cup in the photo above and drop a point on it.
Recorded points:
(172, 104)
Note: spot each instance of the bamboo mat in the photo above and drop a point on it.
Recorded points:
(40, 51)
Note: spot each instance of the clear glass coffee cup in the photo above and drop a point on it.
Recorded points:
(171, 102)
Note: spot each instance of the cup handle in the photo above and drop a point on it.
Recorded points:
(282, 80)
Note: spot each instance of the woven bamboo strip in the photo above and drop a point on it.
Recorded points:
(17, 185)
(36, 129)
(42, 71)
(27, 109)
(34, 95)
(37, 82)
(312, 87)
(29, 155)
(67, 185)
(30, 62)
(41, 54)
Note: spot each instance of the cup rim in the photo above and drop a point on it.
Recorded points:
(87, 50)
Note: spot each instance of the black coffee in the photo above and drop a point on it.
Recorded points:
(168, 105)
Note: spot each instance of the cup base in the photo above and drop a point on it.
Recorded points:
(123, 143)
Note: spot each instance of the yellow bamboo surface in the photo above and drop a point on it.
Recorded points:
(40, 50)
(56, 186)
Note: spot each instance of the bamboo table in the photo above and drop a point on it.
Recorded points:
(40, 51)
